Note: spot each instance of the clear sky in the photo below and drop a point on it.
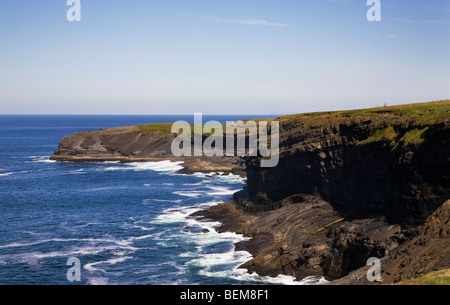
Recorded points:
(220, 56)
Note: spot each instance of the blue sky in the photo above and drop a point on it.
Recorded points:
(221, 56)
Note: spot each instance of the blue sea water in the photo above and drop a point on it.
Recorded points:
(126, 223)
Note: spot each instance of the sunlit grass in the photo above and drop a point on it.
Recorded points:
(419, 114)
(433, 278)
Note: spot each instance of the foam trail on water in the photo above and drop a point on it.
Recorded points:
(41, 159)
(244, 275)
(230, 178)
(215, 191)
(220, 190)
(192, 194)
(161, 166)
(12, 173)
(98, 281)
(91, 266)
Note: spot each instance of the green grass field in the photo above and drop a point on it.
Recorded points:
(161, 129)
(396, 125)
(421, 113)
(156, 128)
(166, 128)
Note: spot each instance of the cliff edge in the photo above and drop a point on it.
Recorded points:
(350, 185)
(389, 160)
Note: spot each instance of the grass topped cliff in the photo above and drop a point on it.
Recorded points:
(383, 159)
(415, 118)
(402, 124)
(419, 114)
(397, 125)
(380, 176)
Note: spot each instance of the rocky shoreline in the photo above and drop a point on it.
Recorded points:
(349, 186)
(303, 239)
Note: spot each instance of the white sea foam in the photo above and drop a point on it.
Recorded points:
(244, 275)
(230, 178)
(17, 244)
(108, 162)
(177, 215)
(163, 200)
(171, 216)
(188, 254)
(83, 250)
(165, 184)
(203, 175)
(41, 159)
(86, 225)
(220, 190)
(197, 184)
(88, 246)
(91, 266)
(100, 189)
(12, 173)
(133, 238)
(192, 194)
(215, 191)
(98, 281)
(152, 202)
(161, 166)
(144, 228)
(230, 260)
(215, 259)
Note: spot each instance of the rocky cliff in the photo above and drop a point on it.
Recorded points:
(350, 185)
(389, 160)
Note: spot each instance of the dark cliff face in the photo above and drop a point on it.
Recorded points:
(379, 162)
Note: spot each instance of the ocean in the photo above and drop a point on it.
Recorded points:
(127, 224)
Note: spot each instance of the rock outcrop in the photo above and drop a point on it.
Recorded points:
(426, 251)
(308, 237)
(385, 160)
(133, 144)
